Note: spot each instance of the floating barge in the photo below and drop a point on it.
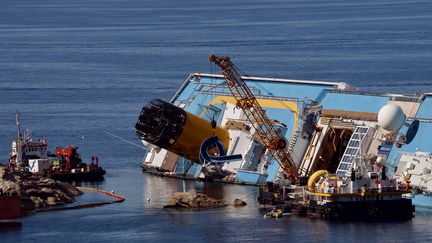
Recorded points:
(369, 196)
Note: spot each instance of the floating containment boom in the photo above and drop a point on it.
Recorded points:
(172, 128)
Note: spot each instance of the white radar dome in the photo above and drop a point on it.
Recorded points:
(391, 117)
(381, 160)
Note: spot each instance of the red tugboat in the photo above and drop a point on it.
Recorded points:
(69, 166)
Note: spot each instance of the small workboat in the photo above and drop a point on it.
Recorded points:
(65, 165)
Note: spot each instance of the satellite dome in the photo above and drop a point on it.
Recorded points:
(391, 117)
(381, 160)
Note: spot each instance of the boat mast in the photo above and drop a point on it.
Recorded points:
(18, 142)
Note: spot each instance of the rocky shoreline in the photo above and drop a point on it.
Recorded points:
(36, 192)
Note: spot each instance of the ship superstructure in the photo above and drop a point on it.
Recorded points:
(326, 124)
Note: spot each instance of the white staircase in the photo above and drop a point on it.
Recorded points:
(352, 150)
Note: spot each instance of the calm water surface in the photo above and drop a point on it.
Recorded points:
(76, 68)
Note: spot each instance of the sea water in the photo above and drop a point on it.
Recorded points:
(74, 69)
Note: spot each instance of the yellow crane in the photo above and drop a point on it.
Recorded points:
(265, 129)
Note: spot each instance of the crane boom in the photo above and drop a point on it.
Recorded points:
(256, 115)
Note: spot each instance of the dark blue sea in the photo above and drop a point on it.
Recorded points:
(75, 69)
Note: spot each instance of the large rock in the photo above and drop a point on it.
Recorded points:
(47, 191)
(193, 200)
(4, 175)
(22, 175)
(9, 187)
(39, 202)
(29, 185)
(27, 204)
(2, 171)
(53, 201)
(64, 196)
(239, 202)
(71, 190)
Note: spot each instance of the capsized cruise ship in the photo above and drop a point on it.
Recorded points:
(327, 126)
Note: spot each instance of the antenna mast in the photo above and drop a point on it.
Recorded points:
(18, 142)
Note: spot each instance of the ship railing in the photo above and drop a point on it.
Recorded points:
(182, 87)
(199, 89)
(424, 120)
(210, 86)
(423, 96)
(356, 92)
(405, 98)
(264, 97)
(338, 85)
(417, 154)
(393, 97)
